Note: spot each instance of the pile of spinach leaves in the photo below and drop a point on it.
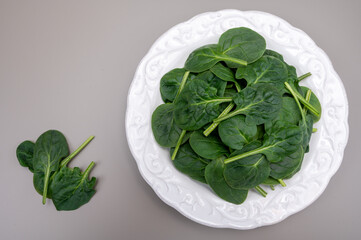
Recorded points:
(235, 117)
(47, 158)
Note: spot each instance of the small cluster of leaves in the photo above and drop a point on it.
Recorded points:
(47, 158)
(235, 116)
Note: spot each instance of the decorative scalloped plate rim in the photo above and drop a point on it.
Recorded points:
(196, 201)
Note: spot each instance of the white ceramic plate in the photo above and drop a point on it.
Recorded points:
(195, 200)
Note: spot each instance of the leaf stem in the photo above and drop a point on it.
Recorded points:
(261, 191)
(235, 60)
(87, 171)
(243, 155)
(272, 187)
(306, 75)
(73, 154)
(179, 142)
(298, 102)
(303, 101)
(308, 98)
(228, 115)
(46, 183)
(283, 184)
(183, 82)
(214, 124)
(238, 87)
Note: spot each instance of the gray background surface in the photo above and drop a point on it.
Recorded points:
(68, 65)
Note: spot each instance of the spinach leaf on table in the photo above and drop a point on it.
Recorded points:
(210, 147)
(215, 179)
(70, 188)
(25, 153)
(50, 148)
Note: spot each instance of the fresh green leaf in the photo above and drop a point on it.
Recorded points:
(267, 69)
(50, 148)
(165, 131)
(171, 83)
(215, 179)
(272, 53)
(271, 181)
(242, 43)
(197, 105)
(289, 113)
(213, 81)
(235, 132)
(189, 163)
(281, 141)
(205, 57)
(210, 147)
(260, 103)
(288, 165)
(247, 172)
(70, 188)
(25, 153)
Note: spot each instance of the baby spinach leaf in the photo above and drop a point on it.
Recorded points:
(172, 82)
(197, 105)
(165, 131)
(215, 179)
(235, 132)
(210, 147)
(50, 148)
(38, 182)
(306, 127)
(272, 53)
(289, 113)
(225, 74)
(25, 153)
(271, 181)
(242, 43)
(205, 57)
(288, 165)
(247, 172)
(260, 103)
(213, 81)
(189, 163)
(282, 140)
(267, 69)
(70, 188)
